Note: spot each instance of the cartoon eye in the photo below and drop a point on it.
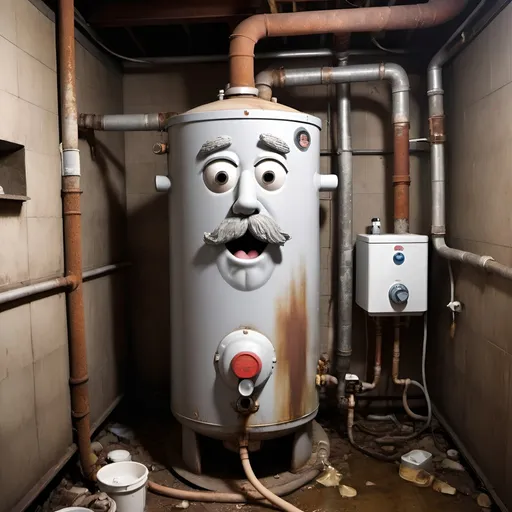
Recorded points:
(270, 174)
(220, 176)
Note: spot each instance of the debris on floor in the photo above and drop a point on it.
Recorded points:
(452, 464)
(122, 431)
(483, 500)
(443, 487)
(330, 477)
(347, 492)
(368, 484)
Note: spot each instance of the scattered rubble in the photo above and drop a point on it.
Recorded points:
(452, 465)
(184, 504)
(483, 500)
(347, 492)
(122, 431)
(443, 487)
(452, 454)
(330, 477)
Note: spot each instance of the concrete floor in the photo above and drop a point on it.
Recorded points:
(154, 438)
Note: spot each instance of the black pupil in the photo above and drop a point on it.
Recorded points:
(221, 177)
(268, 177)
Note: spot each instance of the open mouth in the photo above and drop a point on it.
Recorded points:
(246, 247)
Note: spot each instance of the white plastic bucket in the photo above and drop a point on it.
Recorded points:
(119, 456)
(74, 509)
(125, 483)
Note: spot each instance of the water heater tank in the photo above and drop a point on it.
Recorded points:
(244, 244)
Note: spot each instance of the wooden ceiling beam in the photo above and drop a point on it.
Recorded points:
(167, 12)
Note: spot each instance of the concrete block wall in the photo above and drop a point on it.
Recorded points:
(472, 375)
(186, 86)
(35, 420)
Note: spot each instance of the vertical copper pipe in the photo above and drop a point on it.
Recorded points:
(78, 377)
(401, 178)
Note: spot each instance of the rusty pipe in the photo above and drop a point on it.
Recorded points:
(373, 19)
(396, 356)
(125, 122)
(437, 138)
(401, 178)
(399, 81)
(367, 386)
(78, 376)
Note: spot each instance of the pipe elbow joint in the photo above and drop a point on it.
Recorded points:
(397, 76)
(253, 28)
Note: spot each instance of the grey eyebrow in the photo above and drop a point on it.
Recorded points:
(217, 144)
(274, 143)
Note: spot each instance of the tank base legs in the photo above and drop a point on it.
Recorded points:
(302, 446)
(187, 463)
(190, 450)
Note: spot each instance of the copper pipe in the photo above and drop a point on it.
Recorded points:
(373, 19)
(73, 237)
(401, 177)
(367, 386)
(396, 356)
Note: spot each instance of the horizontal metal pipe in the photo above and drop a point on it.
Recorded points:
(285, 54)
(33, 289)
(247, 34)
(393, 73)
(59, 283)
(103, 271)
(156, 121)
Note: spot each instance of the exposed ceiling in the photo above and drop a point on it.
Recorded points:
(165, 28)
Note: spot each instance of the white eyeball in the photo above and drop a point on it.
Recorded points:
(220, 176)
(270, 174)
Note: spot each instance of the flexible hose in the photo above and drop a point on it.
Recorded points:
(227, 497)
(350, 432)
(267, 493)
(408, 410)
(424, 389)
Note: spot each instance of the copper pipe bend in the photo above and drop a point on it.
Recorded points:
(367, 19)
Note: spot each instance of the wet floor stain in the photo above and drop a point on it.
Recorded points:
(155, 437)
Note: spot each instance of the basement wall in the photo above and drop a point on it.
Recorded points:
(471, 374)
(180, 88)
(35, 418)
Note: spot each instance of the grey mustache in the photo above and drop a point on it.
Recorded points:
(261, 227)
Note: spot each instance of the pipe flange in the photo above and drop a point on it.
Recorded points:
(241, 91)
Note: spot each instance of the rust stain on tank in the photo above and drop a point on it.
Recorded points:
(291, 378)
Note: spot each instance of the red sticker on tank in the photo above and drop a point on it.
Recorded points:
(398, 248)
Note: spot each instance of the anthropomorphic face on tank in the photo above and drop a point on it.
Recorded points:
(249, 233)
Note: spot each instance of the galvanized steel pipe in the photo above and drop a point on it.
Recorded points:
(399, 81)
(345, 214)
(373, 19)
(437, 159)
(29, 290)
(78, 377)
(125, 122)
(23, 292)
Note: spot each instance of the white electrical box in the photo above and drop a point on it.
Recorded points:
(391, 274)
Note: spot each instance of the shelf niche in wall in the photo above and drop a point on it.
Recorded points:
(13, 176)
